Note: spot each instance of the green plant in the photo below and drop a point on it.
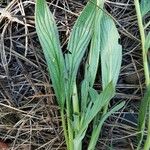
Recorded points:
(81, 104)
(141, 10)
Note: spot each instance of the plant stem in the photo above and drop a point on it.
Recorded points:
(142, 35)
(145, 63)
(147, 143)
(75, 103)
(75, 100)
(76, 117)
(64, 127)
(70, 132)
(78, 146)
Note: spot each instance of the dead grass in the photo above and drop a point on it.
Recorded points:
(29, 117)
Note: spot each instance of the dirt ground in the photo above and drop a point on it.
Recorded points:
(29, 115)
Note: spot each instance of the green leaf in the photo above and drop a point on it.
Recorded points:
(147, 42)
(97, 128)
(93, 109)
(99, 102)
(84, 95)
(111, 52)
(145, 7)
(93, 57)
(93, 94)
(79, 40)
(49, 39)
(77, 141)
(143, 110)
(142, 115)
(95, 47)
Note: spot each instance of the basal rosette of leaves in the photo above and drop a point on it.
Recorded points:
(81, 104)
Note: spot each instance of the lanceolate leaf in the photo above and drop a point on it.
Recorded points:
(145, 7)
(93, 58)
(49, 39)
(79, 40)
(111, 52)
